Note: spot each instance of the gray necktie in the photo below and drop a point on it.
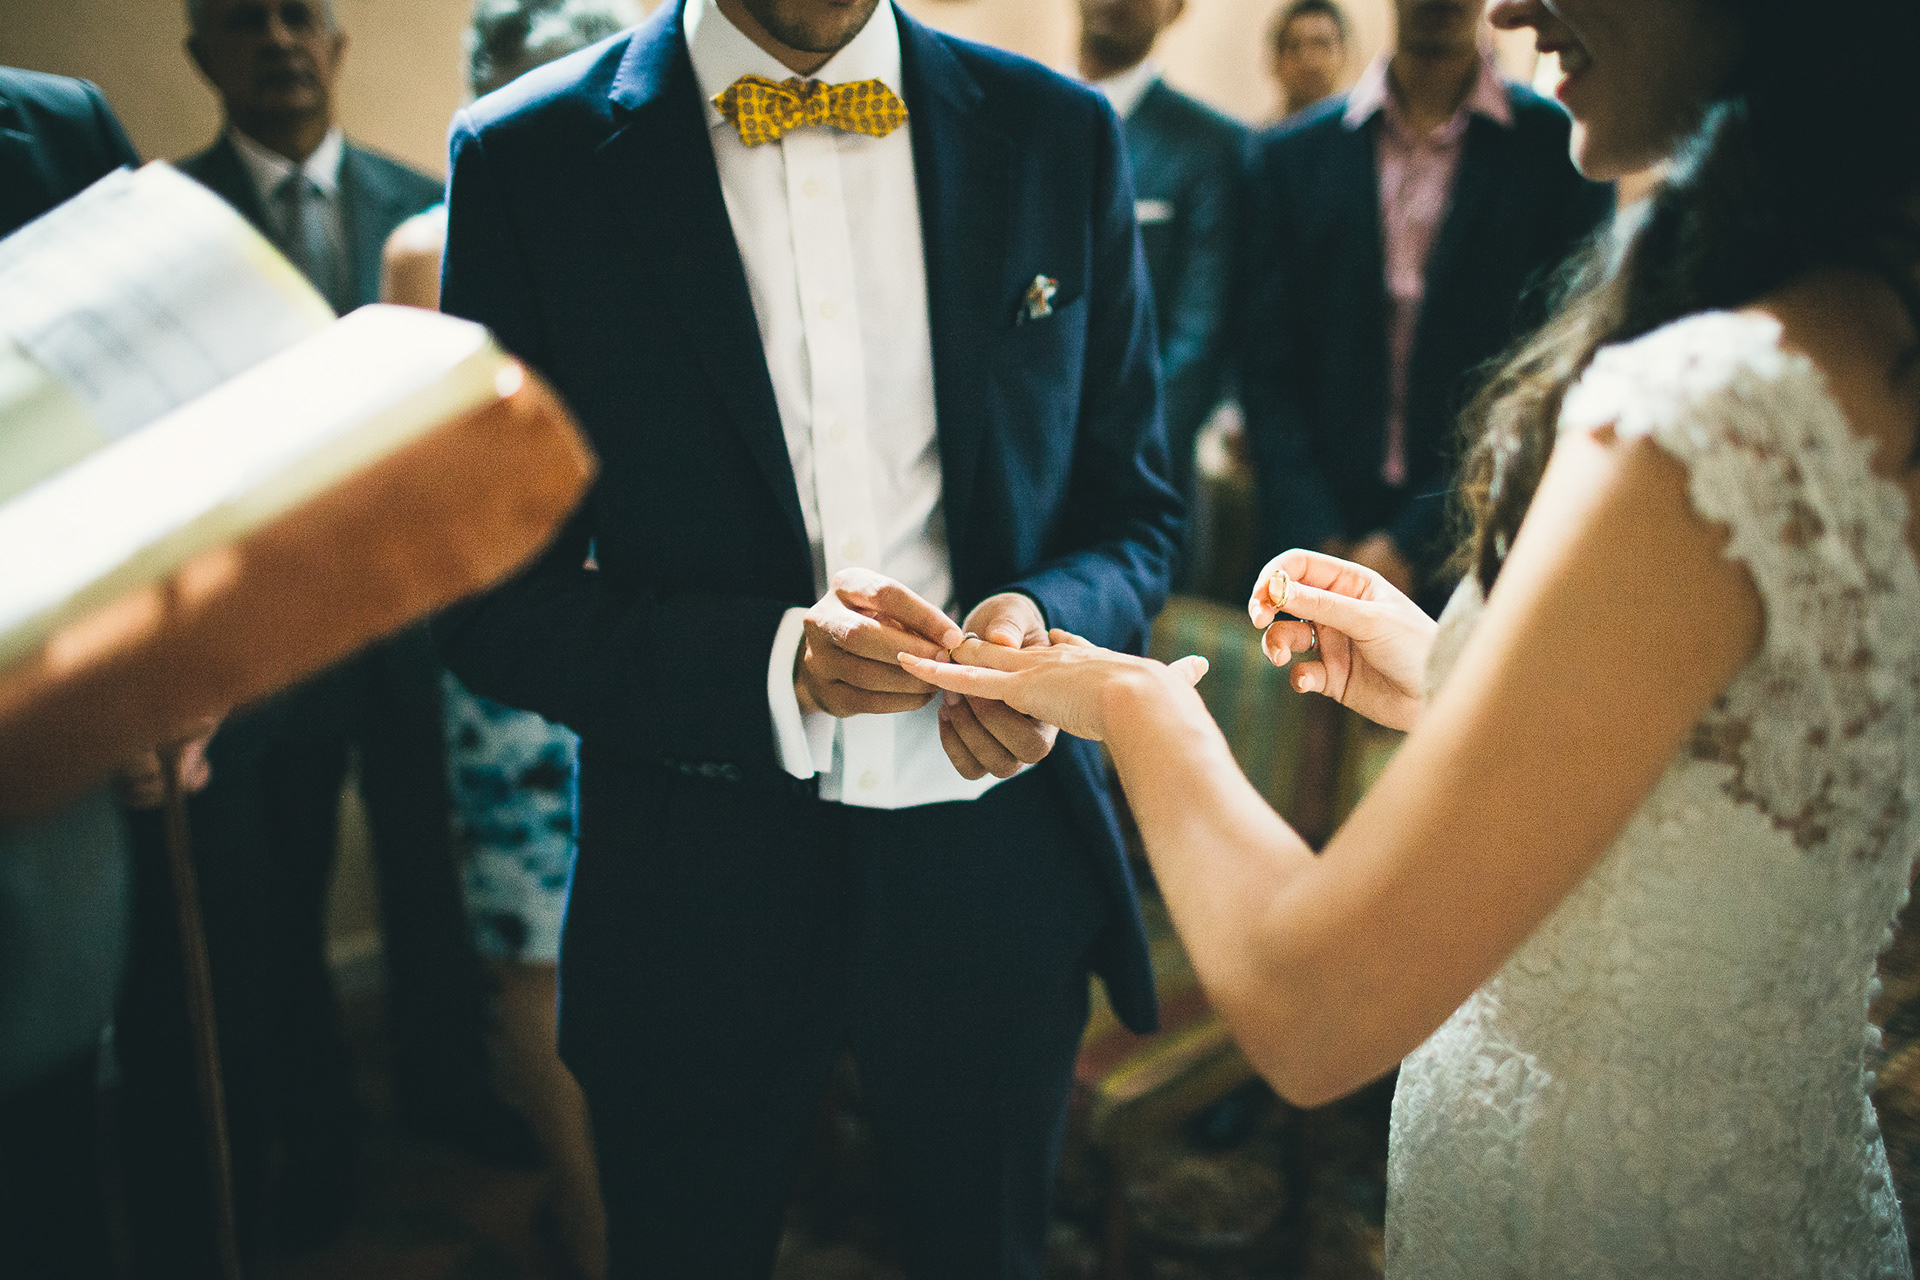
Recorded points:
(305, 240)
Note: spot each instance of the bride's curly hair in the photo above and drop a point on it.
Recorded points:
(1809, 158)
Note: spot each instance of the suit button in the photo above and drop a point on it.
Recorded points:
(869, 780)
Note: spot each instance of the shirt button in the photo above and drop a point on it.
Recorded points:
(810, 188)
(853, 548)
(869, 780)
(837, 432)
(828, 309)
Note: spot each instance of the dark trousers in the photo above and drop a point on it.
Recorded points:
(723, 947)
(264, 836)
(54, 1223)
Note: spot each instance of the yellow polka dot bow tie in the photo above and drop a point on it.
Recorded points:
(764, 110)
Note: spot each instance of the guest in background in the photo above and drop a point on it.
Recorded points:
(65, 879)
(1307, 52)
(1396, 240)
(1186, 160)
(266, 828)
(512, 772)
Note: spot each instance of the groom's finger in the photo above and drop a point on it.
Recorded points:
(963, 760)
(876, 593)
(872, 638)
(993, 754)
(1024, 738)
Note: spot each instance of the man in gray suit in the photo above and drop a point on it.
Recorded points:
(1186, 160)
(266, 827)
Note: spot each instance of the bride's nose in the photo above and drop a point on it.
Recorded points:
(1511, 15)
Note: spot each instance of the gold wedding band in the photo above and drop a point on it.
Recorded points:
(1280, 593)
(1313, 629)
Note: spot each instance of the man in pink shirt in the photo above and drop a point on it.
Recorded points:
(1398, 234)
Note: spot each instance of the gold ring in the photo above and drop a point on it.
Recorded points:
(1313, 629)
(1285, 589)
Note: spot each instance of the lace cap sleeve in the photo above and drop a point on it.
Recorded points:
(1817, 727)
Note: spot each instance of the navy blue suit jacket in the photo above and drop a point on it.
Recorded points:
(587, 230)
(1187, 165)
(64, 879)
(1314, 365)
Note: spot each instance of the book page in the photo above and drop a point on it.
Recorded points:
(142, 293)
(288, 429)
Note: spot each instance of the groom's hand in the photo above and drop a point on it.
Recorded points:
(981, 735)
(849, 665)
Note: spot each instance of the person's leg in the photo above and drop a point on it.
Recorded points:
(302, 769)
(970, 999)
(703, 987)
(436, 989)
(547, 1093)
(54, 1223)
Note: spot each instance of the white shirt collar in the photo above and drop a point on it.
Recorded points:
(1125, 90)
(722, 53)
(269, 168)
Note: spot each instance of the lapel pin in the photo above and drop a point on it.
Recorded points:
(1038, 302)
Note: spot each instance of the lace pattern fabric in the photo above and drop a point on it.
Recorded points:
(1671, 1077)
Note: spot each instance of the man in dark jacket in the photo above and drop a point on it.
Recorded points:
(63, 879)
(1396, 238)
(1186, 160)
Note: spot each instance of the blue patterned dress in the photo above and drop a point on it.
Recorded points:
(513, 797)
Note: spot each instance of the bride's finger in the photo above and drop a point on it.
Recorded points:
(1284, 638)
(974, 652)
(979, 681)
(1332, 609)
(1308, 677)
(1304, 568)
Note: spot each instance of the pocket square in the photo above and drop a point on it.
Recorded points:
(1037, 304)
(1148, 212)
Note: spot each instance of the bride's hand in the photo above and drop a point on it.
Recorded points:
(1373, 640)
(1066, 683)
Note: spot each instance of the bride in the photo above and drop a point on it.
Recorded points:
(1617, 901)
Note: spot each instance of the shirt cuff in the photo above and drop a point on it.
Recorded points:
(790, 728)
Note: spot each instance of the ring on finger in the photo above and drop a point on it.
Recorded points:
(1313, 631)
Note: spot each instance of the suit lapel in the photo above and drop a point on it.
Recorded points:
(219, 168)
(23, 196)
(963, 172)
(1354, 184)
(365, 212)
(659, 171)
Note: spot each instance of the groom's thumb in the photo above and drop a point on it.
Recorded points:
(1005, 631)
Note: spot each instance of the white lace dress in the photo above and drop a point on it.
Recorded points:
(1670, 1077)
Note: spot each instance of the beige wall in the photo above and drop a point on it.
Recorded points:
(403, 77)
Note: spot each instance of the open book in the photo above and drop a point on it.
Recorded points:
(179, 414)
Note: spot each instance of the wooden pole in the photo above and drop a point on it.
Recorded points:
(206, 1035)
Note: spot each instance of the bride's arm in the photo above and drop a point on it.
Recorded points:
(1615, 623)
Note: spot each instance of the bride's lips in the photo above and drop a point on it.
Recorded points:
(1575, 63)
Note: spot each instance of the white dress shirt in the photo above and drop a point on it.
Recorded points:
(269, 169)
(828, 227)
(1124, 91)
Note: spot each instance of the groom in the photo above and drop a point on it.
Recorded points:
(856, 317)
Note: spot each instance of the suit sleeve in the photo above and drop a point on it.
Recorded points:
(115, 148)
(679, 678)
(1193, 338)
(1297, 506)
(1122, 516)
